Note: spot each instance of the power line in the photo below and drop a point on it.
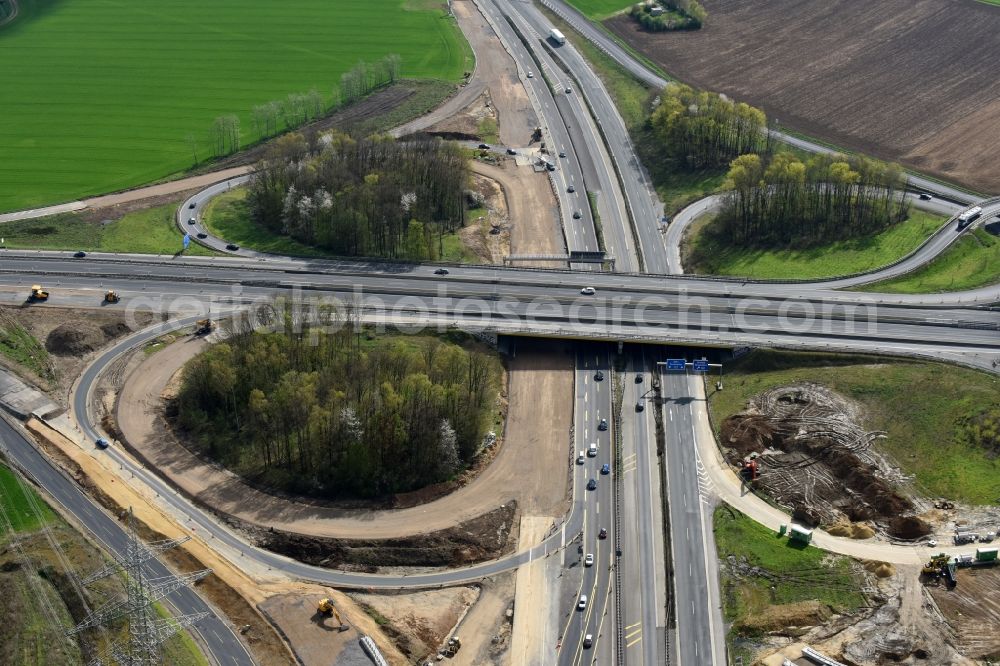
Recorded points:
(146, 632)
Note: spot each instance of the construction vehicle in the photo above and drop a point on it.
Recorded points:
(326, 608)
(111, 296)
(37, 294)
(452, 647)
(749, 472)
(936, 565)
(203, 327)
(536, 135)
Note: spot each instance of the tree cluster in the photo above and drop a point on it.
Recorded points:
(669, 15)
(368, 197)
(366, 77)
(296, 109)
(331, 415)
(826, 197)
(703, 129)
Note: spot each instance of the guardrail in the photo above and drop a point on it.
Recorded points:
(616, 407)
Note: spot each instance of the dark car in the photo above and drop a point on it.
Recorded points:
(550, 166)
(484, 146)
(599, 376)
(603, 534)
(638, 379)
(603, 425)
(441, 271)
(925, 196)
(80, 255)
(571, 189)
(639, 407)
(232, 247)
(606, 468)
(202, 235)
(102, 443)
(577, 215)
(191, 205)
(562, 153)
(192, 221)
(592, 484)
(511, 151)
(569, 90)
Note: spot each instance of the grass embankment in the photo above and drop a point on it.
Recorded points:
(228, 217)
(150, 231)
(600, 9)
(24, 349)
(71, 130)
(36, 591)
(973, 261)
(707, 251)
(925, 408)
(790, 574)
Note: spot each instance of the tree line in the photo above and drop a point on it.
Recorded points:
(336, 415)
(700, 129)
(367, 197)
(296, 109)
(783, 199)
(669, 15)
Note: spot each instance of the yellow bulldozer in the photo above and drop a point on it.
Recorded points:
(326, 608)
(111, 296)
(37, 294)
(203, 327)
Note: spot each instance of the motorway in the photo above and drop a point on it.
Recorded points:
(593, 403)
(653, 308)
(215, 634)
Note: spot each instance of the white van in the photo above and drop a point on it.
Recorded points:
(592, 450)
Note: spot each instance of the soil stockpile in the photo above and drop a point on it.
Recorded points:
(815, 458)
(913, 81)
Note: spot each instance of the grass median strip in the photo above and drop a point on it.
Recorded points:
(973, 261)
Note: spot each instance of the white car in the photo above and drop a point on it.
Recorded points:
(530, 75)
(588, 561)
(588, 291)
(582, 603)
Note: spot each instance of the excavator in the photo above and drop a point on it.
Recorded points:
(203, 327)
(326, 608)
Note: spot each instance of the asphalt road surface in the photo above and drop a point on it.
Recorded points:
(214, 632)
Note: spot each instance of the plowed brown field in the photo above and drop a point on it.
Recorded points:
(916, 81)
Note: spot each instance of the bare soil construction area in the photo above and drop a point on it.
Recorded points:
(972, 609)
(913, 81)
(814, 458)
(528, 472)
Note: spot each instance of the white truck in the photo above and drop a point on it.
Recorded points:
(557, 36)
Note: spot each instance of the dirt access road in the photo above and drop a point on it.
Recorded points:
(530, 467)
(908, 80)
(533, 217)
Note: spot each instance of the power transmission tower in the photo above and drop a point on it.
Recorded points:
(146, 631)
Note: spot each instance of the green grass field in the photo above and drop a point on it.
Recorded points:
(17, 504)
(921, 406)
(709, 253)
(600, 9)
(792, 574)
(106, 93)
(150, 231)
(973, 261)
